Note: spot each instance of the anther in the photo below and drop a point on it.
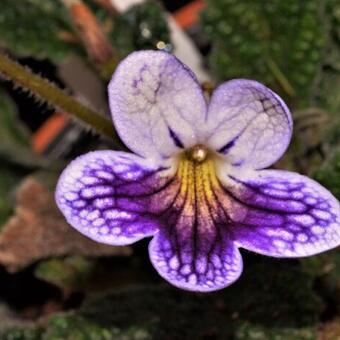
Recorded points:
(198, 153)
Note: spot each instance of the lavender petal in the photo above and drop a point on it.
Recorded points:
(282, 214)
(157, 104)
(248, 123)
(205, 266)
(106, 196)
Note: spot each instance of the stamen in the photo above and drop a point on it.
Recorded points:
(198, 153)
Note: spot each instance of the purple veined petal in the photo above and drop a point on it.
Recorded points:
(107, 196)
(282, 214)
(157, 104)
(248, 123)
(193, 249)
(207, 266)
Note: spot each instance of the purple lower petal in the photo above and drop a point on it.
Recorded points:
(106, 195)
(193, 249)
(282, 214)
(208, 265)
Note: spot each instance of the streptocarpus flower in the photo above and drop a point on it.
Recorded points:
(195, 182)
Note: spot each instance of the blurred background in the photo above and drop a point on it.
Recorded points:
(56, 284)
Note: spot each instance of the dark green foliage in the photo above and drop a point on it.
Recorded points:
(329, 175)
(14, 143)
(327, 91)
(282, 298)
(272, 41)
(21, 333)
(32, 27)
(325, 267)
(14, 136)
(9, 178)
(11, 130)
(141, 27)
(35, 27)
(273, 298)
(73, 327)
(70, 273)
(248, 331)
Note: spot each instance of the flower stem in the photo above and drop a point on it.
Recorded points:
(49, 92)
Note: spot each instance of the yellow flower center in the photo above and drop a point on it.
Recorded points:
(199, 186)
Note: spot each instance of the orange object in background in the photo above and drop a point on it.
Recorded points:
(92, 34)
(47, 132)
(187, 16)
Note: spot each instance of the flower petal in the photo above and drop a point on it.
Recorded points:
(282, 214)
(106, 196)
(193, 249)
(248, 123)
(157, 104)
(205, 266)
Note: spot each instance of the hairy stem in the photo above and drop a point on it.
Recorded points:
(50, 93)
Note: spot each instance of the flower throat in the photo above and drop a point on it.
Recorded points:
(197, 175)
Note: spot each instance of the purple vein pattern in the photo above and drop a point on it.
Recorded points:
(194, 182)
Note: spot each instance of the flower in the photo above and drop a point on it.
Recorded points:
(196, 181)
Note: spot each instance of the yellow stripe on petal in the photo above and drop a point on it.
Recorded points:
(199, 188)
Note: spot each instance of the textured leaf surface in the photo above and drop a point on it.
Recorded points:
(249, 36)
(28, 37)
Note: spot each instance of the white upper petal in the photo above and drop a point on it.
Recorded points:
(248, 123)
(157, 104)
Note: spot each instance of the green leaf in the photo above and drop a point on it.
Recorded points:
(141, 27)
(68, 274)
(249, 331)
(11, 129)
(32, 27)
(279, 43)
(9, 178)
(22, 333)
(14, 145)
(21, 28)
(326, 94)
(74, 327)
(329, 174)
